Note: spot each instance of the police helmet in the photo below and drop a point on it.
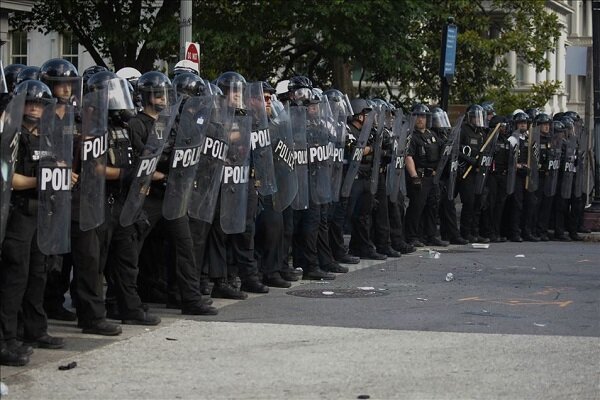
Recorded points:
(35, 91)
(29, 73)
(189, 84)
(10, 74)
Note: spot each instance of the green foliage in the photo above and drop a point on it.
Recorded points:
(506, 101)
(394, 44)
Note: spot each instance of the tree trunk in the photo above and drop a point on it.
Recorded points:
(342, 76)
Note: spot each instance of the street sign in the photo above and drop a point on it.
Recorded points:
(192, 53)
(449, 54)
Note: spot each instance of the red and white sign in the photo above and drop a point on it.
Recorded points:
(192, 53)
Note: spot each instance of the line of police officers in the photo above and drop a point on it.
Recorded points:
(171, 191)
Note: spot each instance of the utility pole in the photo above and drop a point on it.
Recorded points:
(596, 80)
(185, 26)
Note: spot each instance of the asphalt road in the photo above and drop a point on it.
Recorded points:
(506, 327)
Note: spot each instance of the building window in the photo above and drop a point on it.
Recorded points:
(520, 72)
(18, 47)
(70, 49)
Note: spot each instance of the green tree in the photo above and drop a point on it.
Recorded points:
(131, 33)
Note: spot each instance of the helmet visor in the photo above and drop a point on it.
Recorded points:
(477, 118)
(119, 96)
(439, 119)
(302, 95)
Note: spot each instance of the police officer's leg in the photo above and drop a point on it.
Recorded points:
(337, 218)
(14, 271)
(417, 202)
(428, 218)
(448, 219)
(574, 216)
(498, 202)
(360, 243)
(88, 278)
(381, 221)
(396, 215)
(287, 272)
(200, 231)
(268, 242)
(516, 209)
(57, 285)
(326, 260)
(306, 230)
(466, 189)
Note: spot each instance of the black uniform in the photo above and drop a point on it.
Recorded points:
(545, 203)
(471, 141)
(523, 202)
(425, 150)
(23, 269)
(178, 230)
(497, 186)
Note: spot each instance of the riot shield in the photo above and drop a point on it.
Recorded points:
(374, 180)
(236, 177)
(454, 149)
(396, 178)
(10, 132)
(447, 152)
(569, 168)
(262, 154)
(486, 157)
(94, 145)
(318, 129)
(194, 120)
(553, 165)
(356, 156)
(207, 182)
(146, 165)
(298, 121)
(533, 160)
(283, 156)
(513, 157)
(54, 179)
(3, 86)
(338, 142)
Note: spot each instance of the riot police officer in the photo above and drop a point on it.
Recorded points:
(544, 198)
(471, 141)
(360, 206)
(23, 268)
(422, 156)
(523, 201)
(157, 94)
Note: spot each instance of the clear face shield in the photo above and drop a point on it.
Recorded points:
(439, 119)
(235, 95)
(302, 96)
(477, 118)
(119, 95)
(421, 121)
(68, 91)
(277, 108)
(159, 98)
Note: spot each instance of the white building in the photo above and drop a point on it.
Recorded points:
(33, 48)
(576, 18)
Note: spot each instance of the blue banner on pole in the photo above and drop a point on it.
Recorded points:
(450, 51)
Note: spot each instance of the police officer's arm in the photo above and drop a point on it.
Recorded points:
(138, 136)
(22, 182)
(112, 173)
(408, 160)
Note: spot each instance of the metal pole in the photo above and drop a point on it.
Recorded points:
(596, 80)
(185, 26)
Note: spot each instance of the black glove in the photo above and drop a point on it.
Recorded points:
(416, 181)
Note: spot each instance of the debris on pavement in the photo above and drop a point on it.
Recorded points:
(540, 325)
(449, 277)
(364, 396)
(327, 293)
(432, 254)
(520, 256)
(366, 288)
(67, 367)
(480, 245)
(421, 299)
(3, 389)
(170, 338)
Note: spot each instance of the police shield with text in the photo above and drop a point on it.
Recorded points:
(158, 91)
(194, 120)
(94, 145)
(262, 154)
(280, 128)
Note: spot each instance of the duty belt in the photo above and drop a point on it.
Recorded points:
(425, 172)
